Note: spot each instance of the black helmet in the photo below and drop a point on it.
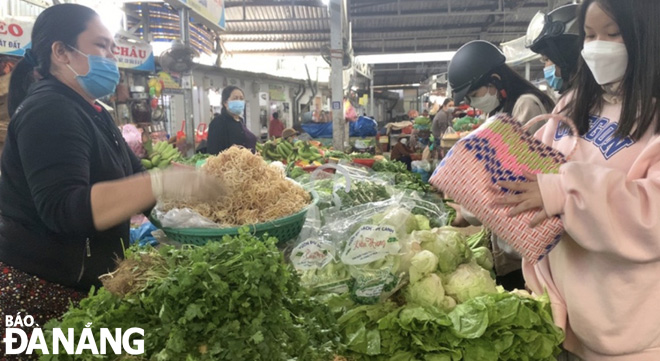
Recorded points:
(556, 35)
(470, 66)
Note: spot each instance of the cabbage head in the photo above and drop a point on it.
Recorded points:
(427, 292)
(422, 264)
(484, 257)
(447, 244)
(423, 223)
(469, 281)
(400, 218)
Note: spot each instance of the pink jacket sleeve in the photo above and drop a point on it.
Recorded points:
(606, 210)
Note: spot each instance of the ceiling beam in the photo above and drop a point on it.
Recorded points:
(263, 31)
(475, 11)
(398, 30)
(297, 37)
(254, 3)
(281, 20)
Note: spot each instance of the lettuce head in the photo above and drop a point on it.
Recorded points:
(447, 244)
(428, 292)
(422, 264)
(469, 281)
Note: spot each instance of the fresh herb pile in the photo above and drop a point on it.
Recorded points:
(193, 159)
(393, 166)
(361, 156)
(362, 193)
(231, 300)
(403, 178)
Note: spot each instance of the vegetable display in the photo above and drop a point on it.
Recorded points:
(451, 310)
(403, 178)
(466, 124)
(192, 161)
(494, 327)
(159, 155)
(230, 300)
(285, 151)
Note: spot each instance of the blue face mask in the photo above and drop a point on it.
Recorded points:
(236, 106)
(102, 78)
(554, 81)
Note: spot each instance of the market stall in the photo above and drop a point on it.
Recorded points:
(360, 265)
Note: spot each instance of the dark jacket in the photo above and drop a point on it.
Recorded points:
(58, 146)
(225, 131)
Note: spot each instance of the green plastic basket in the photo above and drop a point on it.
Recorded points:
(284, 229)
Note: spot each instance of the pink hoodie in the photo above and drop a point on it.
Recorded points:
(604, 276)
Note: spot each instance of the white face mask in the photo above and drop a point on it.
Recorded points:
(404, 141)
(486, 103)
(607, 60)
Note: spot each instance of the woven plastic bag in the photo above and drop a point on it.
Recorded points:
(500, 150)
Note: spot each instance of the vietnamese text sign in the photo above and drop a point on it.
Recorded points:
(134, 56)
(15, 33)
(212, 12)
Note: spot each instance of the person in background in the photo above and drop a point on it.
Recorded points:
(70, 183)
(556, 37)
(442, 120)
(602, 277)
(275, 127)
(228, 128)
(478, 72)
(289, 134)
(402, 152)
(425, 113)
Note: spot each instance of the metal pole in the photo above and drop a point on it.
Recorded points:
(372, 101)
(528, 70)
(187, 85)
(337, 76)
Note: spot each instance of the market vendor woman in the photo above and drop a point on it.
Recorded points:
(228, 128)
(69, 181)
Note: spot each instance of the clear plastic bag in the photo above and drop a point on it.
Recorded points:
(182, 218)
(372, 241)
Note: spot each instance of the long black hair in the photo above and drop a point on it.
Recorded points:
(641, 82)
(63, 22)
(511, 86)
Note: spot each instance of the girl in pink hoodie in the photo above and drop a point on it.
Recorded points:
(604, 276)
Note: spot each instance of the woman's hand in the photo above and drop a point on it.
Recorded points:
(459, 220)
(528, 198)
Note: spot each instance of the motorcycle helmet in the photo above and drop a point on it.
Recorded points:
(471, 65)
(556, 35)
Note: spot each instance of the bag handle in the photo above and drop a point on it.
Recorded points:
(564, 119)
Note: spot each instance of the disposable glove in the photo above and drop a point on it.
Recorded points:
(185, 184)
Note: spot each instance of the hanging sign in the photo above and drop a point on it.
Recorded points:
(276, 92)
(135, 56)
(210, 12)
(15, 33)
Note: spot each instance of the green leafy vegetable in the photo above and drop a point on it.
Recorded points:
(229, 300)
(429, 292)
(446, 243)
(483, 257)
(422, 264)
(469, 281)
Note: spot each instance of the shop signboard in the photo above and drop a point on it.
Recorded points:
(276, 93)
(134, 56)
(210, 12)
(15, 33)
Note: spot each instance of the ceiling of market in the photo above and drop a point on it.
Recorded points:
(301, 27)
(380, 27)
